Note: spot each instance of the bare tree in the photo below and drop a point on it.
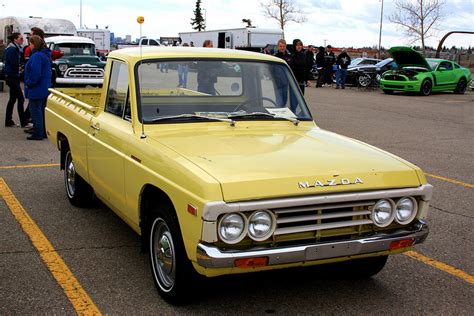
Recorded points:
(283, 11)
(419, 18)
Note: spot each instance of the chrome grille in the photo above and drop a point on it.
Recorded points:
(322, 217)
(84, 72)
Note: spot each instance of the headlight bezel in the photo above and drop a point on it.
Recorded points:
(390, 218)
(242, 234)
(62, 67)
(270, 231)
(414, 211)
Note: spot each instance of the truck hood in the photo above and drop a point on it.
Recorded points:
(270, 163)
(406, 56)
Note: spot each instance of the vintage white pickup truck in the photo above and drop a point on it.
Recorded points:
(220, 168)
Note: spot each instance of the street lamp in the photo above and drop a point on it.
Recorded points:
(380, 33)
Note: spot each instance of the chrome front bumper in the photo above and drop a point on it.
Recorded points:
(212, 257)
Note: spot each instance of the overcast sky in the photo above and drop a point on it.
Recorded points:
(338, 22)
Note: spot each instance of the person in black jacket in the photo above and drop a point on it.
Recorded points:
(299, 64)
(282, 51)
(343, 60)
(309, 62)
(280, 75)
(321, 63)
(13, 55)
(330, 59)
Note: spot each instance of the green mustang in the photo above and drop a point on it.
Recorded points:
(417, 74)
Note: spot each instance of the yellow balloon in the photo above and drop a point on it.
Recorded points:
(140, 19)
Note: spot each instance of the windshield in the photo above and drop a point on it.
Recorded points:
(76, 49)
(384, 62)
(198, 90)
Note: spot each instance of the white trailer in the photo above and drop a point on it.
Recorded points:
(241, 38)
(101, 38)
(51, 27)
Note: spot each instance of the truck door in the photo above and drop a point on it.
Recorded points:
(221, 40)
(228, 40)
(109, 133)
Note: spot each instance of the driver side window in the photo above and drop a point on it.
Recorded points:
(118, 101)
(445, 66)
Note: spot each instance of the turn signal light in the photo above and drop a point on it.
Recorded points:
(400, 244)
(251, 262)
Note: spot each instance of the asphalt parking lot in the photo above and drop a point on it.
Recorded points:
(103, 255)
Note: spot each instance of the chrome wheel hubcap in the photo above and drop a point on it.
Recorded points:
(70, 176)
(163, 255)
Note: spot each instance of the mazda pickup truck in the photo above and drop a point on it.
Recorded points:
(218, 165)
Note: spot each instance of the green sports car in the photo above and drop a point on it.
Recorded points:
(417, 74)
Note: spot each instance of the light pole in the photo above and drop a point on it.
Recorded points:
(80, 14)
(380, 33)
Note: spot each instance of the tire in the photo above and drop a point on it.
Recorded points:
(387, 91)
(364, 81)
(172, 271)
(426, 87)
(78, 190)
(461, 87)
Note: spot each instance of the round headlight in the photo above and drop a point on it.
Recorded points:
(383, 213)
(405, 210)
(232, 228)
(261, 225)
(62, 67)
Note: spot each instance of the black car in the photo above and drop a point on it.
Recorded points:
(364, 75)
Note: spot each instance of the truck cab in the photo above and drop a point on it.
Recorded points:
(75, 61)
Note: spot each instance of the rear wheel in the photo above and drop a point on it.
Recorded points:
(78, 190)
(461, 86)
(364, 80)
(426, 87)
(172, 271)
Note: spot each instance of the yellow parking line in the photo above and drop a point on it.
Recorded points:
(469, 185)
(64, 277)
(441, 266)
(30, 166)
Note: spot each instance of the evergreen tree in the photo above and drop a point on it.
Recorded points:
(198, 22)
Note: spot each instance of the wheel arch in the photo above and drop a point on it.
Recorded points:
(63, 146)
(149, 197)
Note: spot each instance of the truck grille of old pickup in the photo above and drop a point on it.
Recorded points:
(84, 72)
(323, 220)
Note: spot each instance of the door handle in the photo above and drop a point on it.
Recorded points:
(95, 126)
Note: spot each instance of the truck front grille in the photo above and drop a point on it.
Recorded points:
(84, 72)
(322, 217)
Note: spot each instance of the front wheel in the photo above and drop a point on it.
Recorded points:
(364, 80)
(172, 271)
(78, 190)
(461, 87)
(426, 87)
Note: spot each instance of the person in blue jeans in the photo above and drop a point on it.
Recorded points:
(343, 61)
(12, 77)
(37, 83)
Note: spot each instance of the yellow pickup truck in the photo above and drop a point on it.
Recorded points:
(213, 157)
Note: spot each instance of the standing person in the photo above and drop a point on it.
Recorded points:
(321, 64)
(343, 60)
(13, 55)
(183, 70)
(37, 82)
(299, 65)
(330, 59)
(34, 31)
(280, 76)
(206, 76)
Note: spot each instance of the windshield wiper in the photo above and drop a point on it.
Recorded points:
(189, 117)
(257, 114)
